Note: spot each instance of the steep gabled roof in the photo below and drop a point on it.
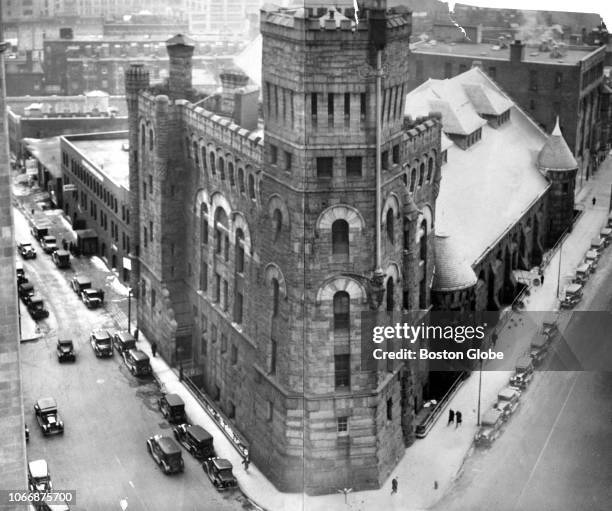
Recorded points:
(556, 155)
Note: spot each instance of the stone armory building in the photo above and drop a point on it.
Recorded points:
(259, 244)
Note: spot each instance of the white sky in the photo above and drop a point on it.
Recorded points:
(602, 7)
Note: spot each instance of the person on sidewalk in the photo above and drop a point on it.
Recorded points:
(494, 339)
(458, 416)
(451, 416)
(153, 348)
(393, 486)
(246, 462)
(594, 201)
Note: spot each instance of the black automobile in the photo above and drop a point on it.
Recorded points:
(123, 341)
(61, 258)
(47, 416)
(80, 283)
(48, 244)
(166, 453)
(197, 441)
(137, 362)
(172, 408)
(65, 350)
(219, 471)
(36, 307)
(27, 432)
(25, 291)
(26, 250)
(92, 298)
(39, 231)
(21, 277)
(100, 341)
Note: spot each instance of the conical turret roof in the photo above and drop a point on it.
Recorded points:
(556, 155)
(453, 272)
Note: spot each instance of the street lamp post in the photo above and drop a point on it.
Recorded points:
(479, 392)
(129, 309)
(559, 272)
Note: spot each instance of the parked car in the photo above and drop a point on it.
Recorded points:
(219, 471)
(20, 272)
(592, 256)
(598, 244)
(166, 453)
(47, 416)
(26, 250)
(123, 341)
(36, 307)
(48, 244)
(27, 432)
(61, 258)
(137, 362)
(523, 373)
(582, 274)
(573, 295)
(25, 291)
(508, 401)
(172, 408)
(100, 341)
(39, 231)
(490, 426)
(65, 350)
(80, 283)
(92, 298)
(539, 348)
(196, 440)
(39, 478)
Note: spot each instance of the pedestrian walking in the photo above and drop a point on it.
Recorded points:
(154, 348)
(246, 462)
(542, 277)
(393, 485)
(458, 418)
(451, 416)
(594, 201)
(494, 339)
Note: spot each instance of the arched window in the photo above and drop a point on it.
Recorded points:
(195, 153)
(340, 237)
(421, 174)
(277, 223)
(222, 168)
(423, 241)
(251, 187)
(204, 223)
(204, 157)
(221, 229)
(430, 167)
(230, 171)
(239, 251)
(188, 148)
(390, 297)
(405, 179)
(275, 297)
(212, 162)
(150, 140)
(241, 180)
(143, 139)
(412, 179)
(342, 312)
(390, 226)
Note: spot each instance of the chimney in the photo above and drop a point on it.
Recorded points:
(180, 51)
(517, 51)
(231, 82)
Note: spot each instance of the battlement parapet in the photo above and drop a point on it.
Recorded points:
(422, 131)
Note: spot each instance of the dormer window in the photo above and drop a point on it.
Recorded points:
(503, 118)
(473, 137)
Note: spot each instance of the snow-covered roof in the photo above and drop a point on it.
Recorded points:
(249, 60)
(556, 155)
(486, 101)
(453, 270)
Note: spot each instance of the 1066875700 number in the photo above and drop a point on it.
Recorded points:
(12, 497)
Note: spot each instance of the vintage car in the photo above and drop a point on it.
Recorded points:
(61, 258)
(172, 408)
(27, 432)
(47, 416)
(550, 327)
(36, 307)
(65, 350)
(197, 441)
(25, 291)
(219, 471)
(507, 401)
(539, 348)
(26, 250)
(39, 478)
(137, 362)
(573, 295)
(20, 272)
(606, 235)
(48, 244)
(490, 426)
(523, 373)
(39, 231)
(79, 284)
(92, 298)
(166, 453)
(598, 244)
(592, 256)
(123, 341)
(100, 341)
(582, 274)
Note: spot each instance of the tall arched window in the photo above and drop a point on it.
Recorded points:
(412, 179)
(390, 226)
(204, 223)
(211, 158)
(222, 168)
(423, 242)
(150, 140)
(275, 297)
(277, 223)
(143, 139)
(342, 312)
(241, 180)
(430, 167)
(340, 237)
(196, 156)
(239, 251)
(390, 297)
(421, 174)
(251, 186)
(221, 229)
(230, 171)
(204, 158)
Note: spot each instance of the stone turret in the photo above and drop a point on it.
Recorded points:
(180, 52)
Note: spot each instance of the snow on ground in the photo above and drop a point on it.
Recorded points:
(99, 264)
(117, 286)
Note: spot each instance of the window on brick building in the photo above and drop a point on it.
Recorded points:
(145, 237)
(223, 343)
(340, 237)
(430, 169)
(342, 426)
(390, 221)
(143, 139)
(211, 159)
(314, 107)
(203, 224)
(153, 298)
(273, 154)
(230, 171)
(389, 409)
(270, 412)
(151, 184)
(251, 187)
(412, 179)
(203, 157)
(341, 307)
(144, 190)
(342, 371)
(277, 224)
(390, 295)
(272, 362)
(203, 276)
(217, 288)
(288, 161)
(234, 355)
(362, 106)
(240, 180)
(225, 296)
(222, 168)
(196, 156)
(325, 167)
(238, 306)
(330, 109)
(150, 230)
(275, 297)
(347, 108)
(151, 140)
(353, 166)
(213, 333)
(421, 173)
(384, 157)
(239, 241)
(143, 288)
(395, 154)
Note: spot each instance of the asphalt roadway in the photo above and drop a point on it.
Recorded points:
(555, 453)
(108, 414)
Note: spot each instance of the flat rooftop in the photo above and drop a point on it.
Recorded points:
(107, 156)
(46, 151)
(493, 52)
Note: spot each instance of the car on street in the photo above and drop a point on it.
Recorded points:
(123, 341)
(20, 272)
(47, 416)
(39, 230)
(36, 307)
(100, 341)
(27, 432)
(172, 408)
(65, 350)
(166, 453)
(194, 438)
(39, 478)
(92, 298)
(25, 291)
(137, 362)
(219, 471)
(490, 426)
(48, 244)
(80, 283)
(26, 250)
(61, 258)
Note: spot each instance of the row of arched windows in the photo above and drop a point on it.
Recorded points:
(425, 174)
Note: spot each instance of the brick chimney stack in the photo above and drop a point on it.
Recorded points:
(517, 51)
(180, 52)
(231, 82)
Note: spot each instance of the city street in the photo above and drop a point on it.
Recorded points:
(108, 413)
(555, 452)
